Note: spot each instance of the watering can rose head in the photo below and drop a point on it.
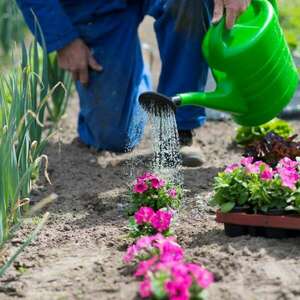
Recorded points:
(258, 186)
(154, 192)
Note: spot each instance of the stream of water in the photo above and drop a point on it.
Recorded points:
(166, 160)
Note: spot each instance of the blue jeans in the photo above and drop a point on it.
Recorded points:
(110, 117)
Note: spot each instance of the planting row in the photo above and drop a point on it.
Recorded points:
(161, 266)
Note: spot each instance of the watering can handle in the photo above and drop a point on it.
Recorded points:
(275, 6)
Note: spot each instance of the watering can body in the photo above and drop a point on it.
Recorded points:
(252, 66)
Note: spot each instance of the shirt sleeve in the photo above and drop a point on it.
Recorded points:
(56, 26)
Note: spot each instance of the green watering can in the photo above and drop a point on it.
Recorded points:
(251, 64)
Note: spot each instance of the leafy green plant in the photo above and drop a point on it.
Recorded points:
(272, 148)
(247, 135)
(258, 187)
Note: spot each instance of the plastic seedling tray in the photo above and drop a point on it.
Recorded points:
(270, 226)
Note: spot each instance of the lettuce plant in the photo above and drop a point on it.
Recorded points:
(247, 135)
(258, 186)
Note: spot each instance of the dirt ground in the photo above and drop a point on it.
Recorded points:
(78, 255)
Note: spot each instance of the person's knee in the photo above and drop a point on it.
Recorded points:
(113, 137)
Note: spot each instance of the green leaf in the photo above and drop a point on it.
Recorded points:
(158, 282)
(227, 207)
(246, 135)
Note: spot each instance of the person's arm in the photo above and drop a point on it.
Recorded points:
(57, 28)
(60, 35)
(232, 8)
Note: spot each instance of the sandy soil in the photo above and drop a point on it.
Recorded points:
(78, 255)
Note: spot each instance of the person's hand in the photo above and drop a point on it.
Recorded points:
(232, 8)
(77, 58)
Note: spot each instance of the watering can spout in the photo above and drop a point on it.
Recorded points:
(221, 99)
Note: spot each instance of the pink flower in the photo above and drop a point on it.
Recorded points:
(177, 290)
(144, 242)
(130, 254)
(206, 279)
(170, 251)
(157, 183)
(144, 266)
(144, 215)
(288, 163)
(231, 168)
(172, 193)
(181, 273)
(196, 270)
(161, 220)
(256, 167)
(289, 177)
(203, 277)
(145, 288)
(267, 174)
(140, 187)
(247, 161)
(252, 168)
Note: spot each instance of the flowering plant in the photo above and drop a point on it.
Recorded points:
(174, 281)
(163, 271)
(148, 222)
(151, 191)
(258, 186)
(162, 248)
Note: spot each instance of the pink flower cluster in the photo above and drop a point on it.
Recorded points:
(146, 182)
(159, 220)
(165, 248)
(180, 277)
(167, 257)
(287, 170)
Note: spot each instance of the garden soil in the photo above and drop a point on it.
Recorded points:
(78, 254)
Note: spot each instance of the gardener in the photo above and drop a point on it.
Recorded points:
(97, 41)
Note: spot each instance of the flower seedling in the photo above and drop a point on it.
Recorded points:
(164, 273)
(174, 280)
(163, 248)
(151, 191)
(148, 222)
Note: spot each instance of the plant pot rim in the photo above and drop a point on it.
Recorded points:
(259, 220)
